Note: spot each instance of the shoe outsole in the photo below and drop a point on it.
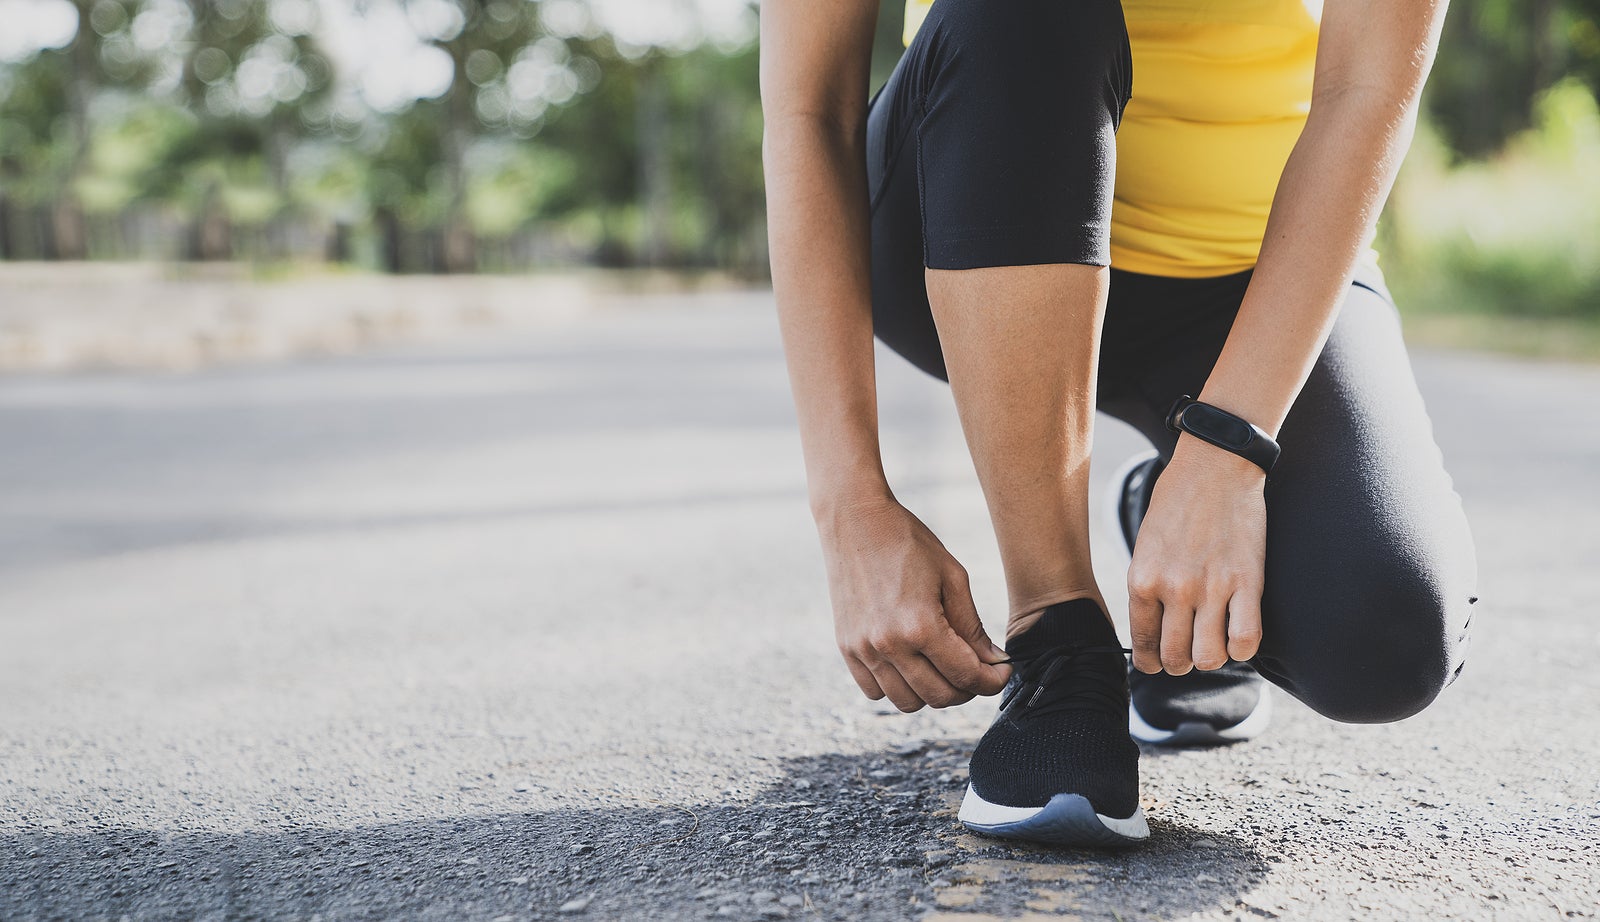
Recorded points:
(1068, 819)
(1200, 733)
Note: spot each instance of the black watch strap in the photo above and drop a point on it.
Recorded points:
(1224, 430)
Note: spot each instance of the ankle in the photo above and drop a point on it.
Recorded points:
(1027, 612)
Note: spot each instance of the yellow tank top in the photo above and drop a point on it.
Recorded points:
(1221, 89)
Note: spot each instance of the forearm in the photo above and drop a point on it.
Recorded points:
(1202, 549)
(1323, 217)
(1199, 567)
(1373, 58)
(818, 228)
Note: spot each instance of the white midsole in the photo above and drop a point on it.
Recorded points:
(1255, 723)
(980, 812)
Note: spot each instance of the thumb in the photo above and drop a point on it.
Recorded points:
(962, 614)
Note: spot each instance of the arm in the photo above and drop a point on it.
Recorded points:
(1373, 57)
(814, 63)
(903, 614)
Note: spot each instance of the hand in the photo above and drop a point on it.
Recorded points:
(902, 609)
(1194, 587)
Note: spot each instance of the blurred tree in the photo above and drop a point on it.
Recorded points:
(487, 41)
(723, 150)
(1582, 40)
(35, 159)
(46, 131)
(545, 136)
(671, 171)
(410, 196)
(602, 134)
(506, 72)
(1497, 56)
(248, 72)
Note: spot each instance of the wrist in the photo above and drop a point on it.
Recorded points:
(1265, 414)
(1197, 457)
(1228, 432)
(846, 496)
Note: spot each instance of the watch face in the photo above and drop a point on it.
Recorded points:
(1207, 421)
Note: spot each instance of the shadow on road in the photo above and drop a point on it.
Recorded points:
(837, 836)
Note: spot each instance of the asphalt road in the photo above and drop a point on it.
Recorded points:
(533, 626)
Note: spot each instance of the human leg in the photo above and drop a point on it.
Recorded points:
(991, 154)
(991, 157)
(1021, 360)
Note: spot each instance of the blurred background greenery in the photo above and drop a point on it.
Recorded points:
(462, 136)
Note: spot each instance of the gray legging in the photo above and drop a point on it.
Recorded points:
(1371, 573)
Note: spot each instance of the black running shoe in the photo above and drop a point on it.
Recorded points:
(1129, 497)
(1057, 766)
(1197, 708)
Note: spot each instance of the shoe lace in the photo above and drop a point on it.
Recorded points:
(1072, 678)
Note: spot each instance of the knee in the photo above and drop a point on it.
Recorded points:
(1400, 641)
(1398, 684)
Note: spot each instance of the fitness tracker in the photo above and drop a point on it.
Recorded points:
(1224, 430)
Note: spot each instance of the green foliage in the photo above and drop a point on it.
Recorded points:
(37, 143)
(1497, 56)
(235, 132)
(633, 155)
(328, 179)
(1516, 235)
(407, 169)
(133, 154)
(512, 186)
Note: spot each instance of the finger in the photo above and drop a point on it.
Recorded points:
(973, 670)
(1244, 624)
(922, 675)
(895, 687)
(1210, 649)
(1144, 627)
(1177, 639)
(960, 665)
(927, 683)
(863, 677)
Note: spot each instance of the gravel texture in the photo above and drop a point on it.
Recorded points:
(533, 626)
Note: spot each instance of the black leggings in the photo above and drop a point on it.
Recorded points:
(992, 144)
